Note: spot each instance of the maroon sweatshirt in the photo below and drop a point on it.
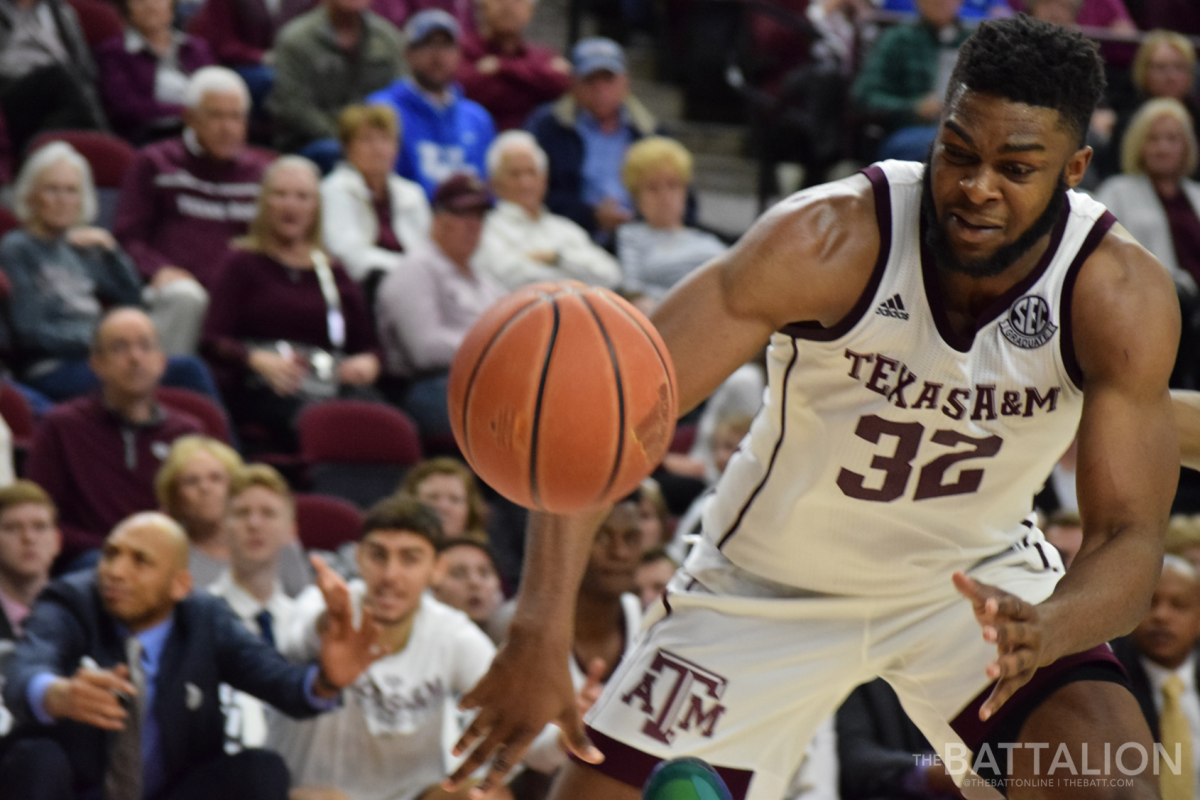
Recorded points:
(240, 32)
(257, 298)
(181, 209)
(526, 79)
(99, 467)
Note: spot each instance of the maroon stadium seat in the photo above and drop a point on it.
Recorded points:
(326, 523)
(203, 409)
(107, 155)
(8, 222)
(99, 20)
(17, 414)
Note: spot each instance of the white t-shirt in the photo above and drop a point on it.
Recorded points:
(388, 740)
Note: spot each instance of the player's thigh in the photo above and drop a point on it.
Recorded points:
(575, 782)
(1100, 716)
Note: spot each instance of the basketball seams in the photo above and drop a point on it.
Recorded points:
(616, 366)
(668, 367)
(482, 358)
(537, 408)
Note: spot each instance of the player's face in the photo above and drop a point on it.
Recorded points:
(615, 553)
(996, 182)
(397, 567)
(29, 541)
(1170, 631)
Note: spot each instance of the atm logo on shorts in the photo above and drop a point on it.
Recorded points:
(677, 695)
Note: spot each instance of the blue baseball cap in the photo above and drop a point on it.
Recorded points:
(595, 54)
(428, 22)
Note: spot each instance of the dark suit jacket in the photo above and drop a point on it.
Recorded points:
(6, 628)
(876, 743)
(207, 646)
(1139, 681)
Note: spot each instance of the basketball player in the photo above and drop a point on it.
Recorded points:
(938, 334)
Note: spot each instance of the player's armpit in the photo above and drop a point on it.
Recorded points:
(1125, 320)
(1187, 420)
(807, 259)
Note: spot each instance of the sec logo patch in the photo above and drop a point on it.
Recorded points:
(1028, 323)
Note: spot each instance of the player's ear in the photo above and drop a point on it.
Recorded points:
(1077, 166)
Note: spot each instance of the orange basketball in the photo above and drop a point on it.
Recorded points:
(562, 397)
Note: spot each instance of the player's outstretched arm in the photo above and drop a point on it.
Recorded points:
(1187, 421)
(1125, 320)
(529, 682)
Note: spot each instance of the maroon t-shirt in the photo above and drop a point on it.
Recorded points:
(1185, 232)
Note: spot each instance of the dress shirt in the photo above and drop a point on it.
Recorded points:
(1190, 700)
(248, 607)
(170, 81)
(603, 157)
(16, 613)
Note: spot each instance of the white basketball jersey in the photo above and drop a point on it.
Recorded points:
(891, 450)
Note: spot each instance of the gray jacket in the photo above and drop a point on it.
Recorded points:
(314, 80)
(1131, 198)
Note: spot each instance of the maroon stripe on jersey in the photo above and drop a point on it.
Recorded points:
(937, 306)
(814, 331)
(1066, 339)
(974, 732)
(783, 393)
(633, 767)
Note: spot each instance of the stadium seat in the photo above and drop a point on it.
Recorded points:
(206, 411)
(685, 437)
(107, 155)
(8, 221)
(17, 414)
(326, 523)
(357, 450)
(99, 20)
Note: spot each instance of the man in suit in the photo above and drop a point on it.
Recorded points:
(115, 685)
(1160, 657)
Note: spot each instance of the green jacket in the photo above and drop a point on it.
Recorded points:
(315, 80)
(900, 71)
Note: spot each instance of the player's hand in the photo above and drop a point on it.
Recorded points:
(593, 686)
(1015, 628)
(527, 686)
(345, 650)
(90, 697)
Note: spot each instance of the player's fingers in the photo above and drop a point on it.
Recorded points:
(595, 672)
(484, 749)
(479, 728)
(1001, 693)
(1013, 607)
(968, 588)
(1009, 636)
(575, 738)
(507, 756)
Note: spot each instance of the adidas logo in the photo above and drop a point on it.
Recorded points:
(892, 307)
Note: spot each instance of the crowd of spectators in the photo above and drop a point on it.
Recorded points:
(320, 200)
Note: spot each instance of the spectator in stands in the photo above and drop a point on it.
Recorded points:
(1164, 67)
(971, 9)
(523, 242)
(654, 572)
(1160, 659)
(242, 33)
(192, 487)
(399, 12)
(97, 456)
(184, 199)
(1064, 530)
(904, 78)
(292, 326)
(371, 215)
(1110, 14)
(1056, 12)
(1154, 198)
(386, 738)
(62, 273)
(144, 73)
(425, 307)
(1183, 538)
(47, 76)
(326, 59)
(507, 75)
(731, 428)
(465, 577)
(262, 526)
(449, 487)
(585, 135)
(444, 133)
(660, 250)
(133, 627)
(29, 543)
(653, 515)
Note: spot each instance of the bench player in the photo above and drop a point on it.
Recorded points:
(938, 333)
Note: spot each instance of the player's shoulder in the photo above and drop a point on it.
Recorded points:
(1120, 271)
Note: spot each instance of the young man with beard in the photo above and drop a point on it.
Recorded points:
(937, 336)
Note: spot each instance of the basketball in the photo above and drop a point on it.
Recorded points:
(563, 397)
(684, 778)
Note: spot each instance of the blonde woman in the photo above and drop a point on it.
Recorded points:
(291, 325)
(658, 251)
